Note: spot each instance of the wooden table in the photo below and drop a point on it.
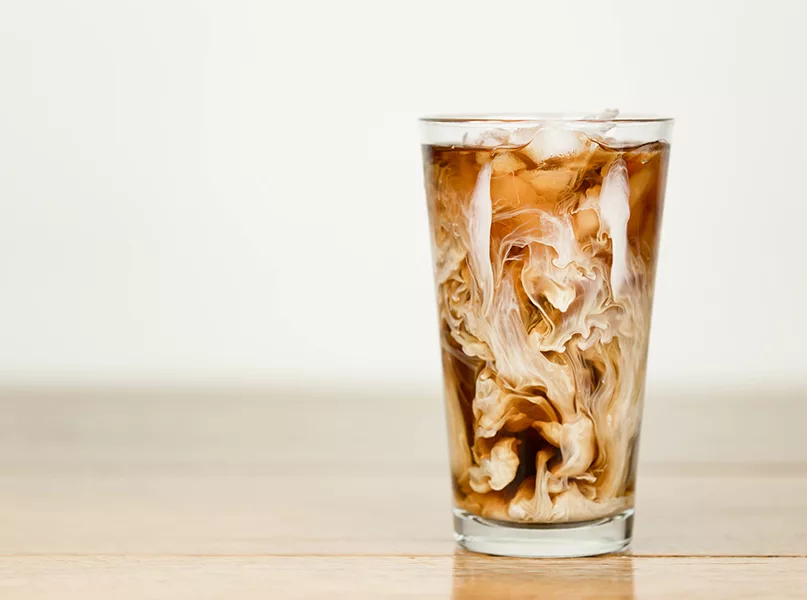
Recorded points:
(145, 493)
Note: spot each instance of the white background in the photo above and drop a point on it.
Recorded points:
(231, 191)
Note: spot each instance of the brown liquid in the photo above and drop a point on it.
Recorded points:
(544, 269)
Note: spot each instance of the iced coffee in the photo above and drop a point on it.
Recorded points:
(544, 242)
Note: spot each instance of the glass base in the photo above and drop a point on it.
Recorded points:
(528, 540)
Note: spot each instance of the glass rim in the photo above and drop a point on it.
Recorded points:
(540, 118)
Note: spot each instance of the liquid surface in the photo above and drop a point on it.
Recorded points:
(544, 264)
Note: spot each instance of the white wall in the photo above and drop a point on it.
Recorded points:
(231, 189)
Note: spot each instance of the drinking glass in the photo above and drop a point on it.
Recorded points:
(545, 232)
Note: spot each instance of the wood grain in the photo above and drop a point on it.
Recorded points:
(458, 577)
(190, 493)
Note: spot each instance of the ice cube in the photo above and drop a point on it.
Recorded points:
(509, 192)
(522, 136)
(506, 163)
(489, 138)
(586, 223)
(550, 185)
(553, 141)
(499, 137)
